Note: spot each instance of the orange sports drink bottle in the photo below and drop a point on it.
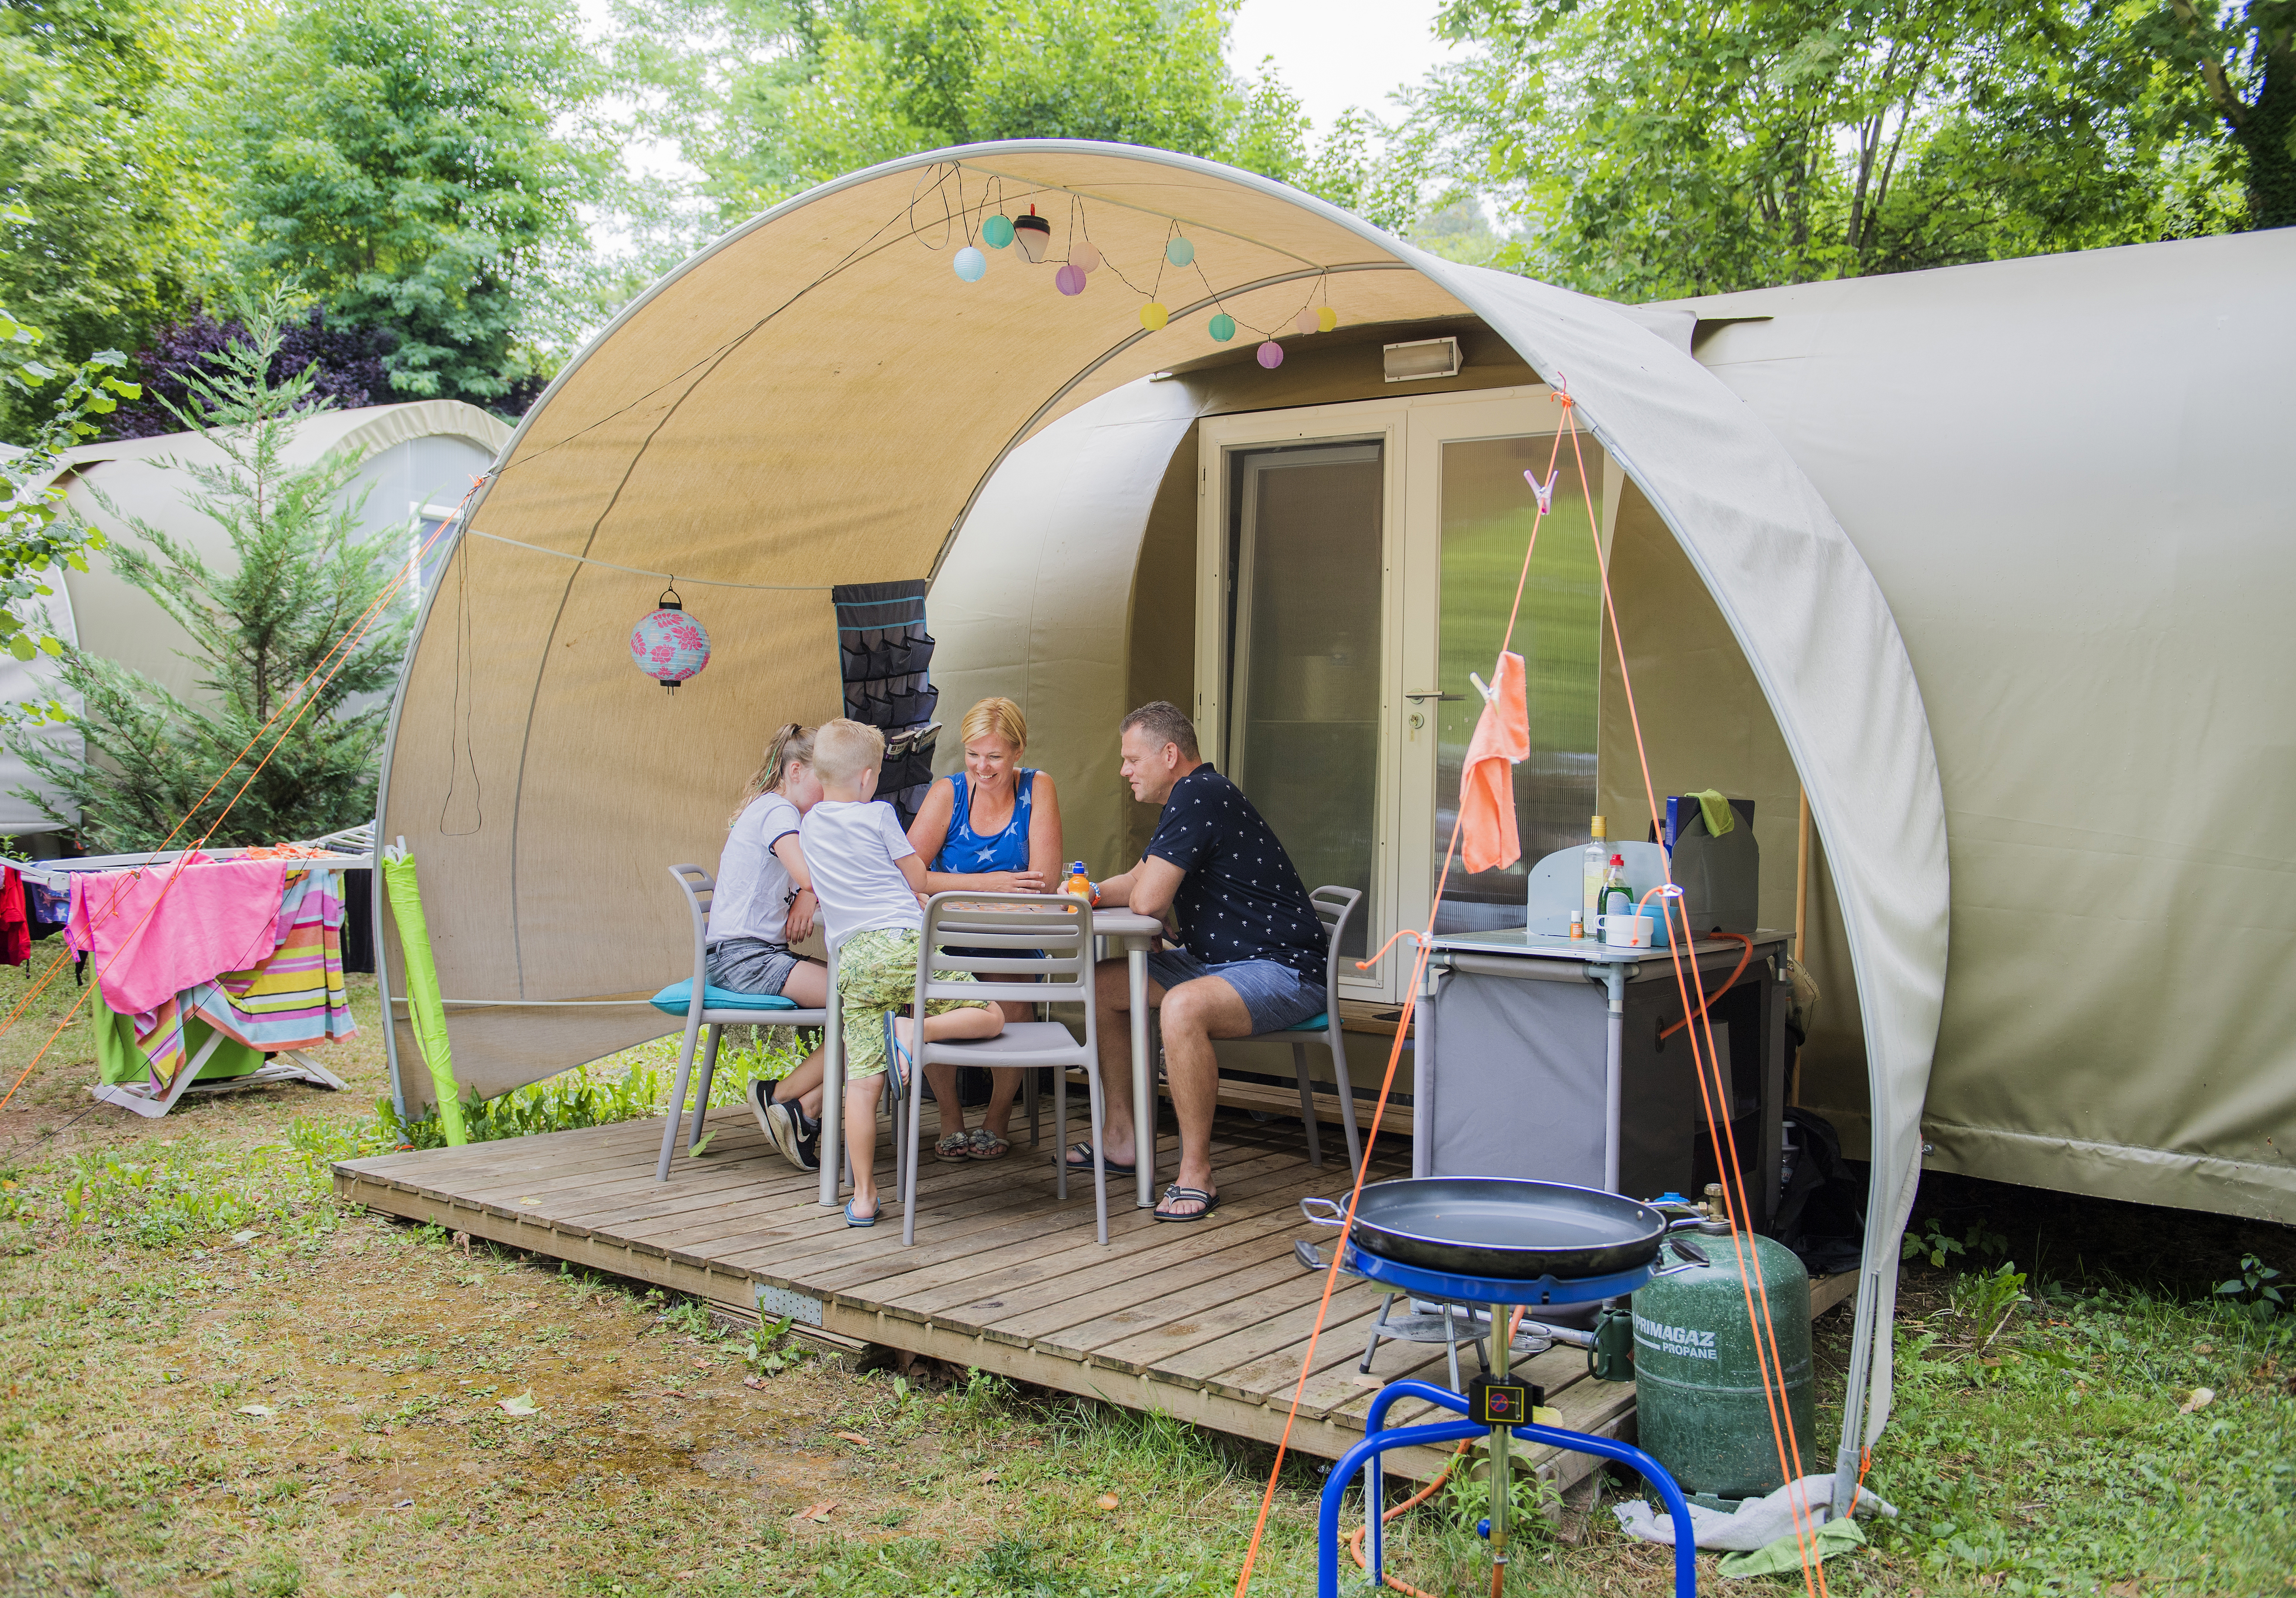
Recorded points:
(1079, 883)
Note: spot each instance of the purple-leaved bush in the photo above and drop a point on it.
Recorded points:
(350, 362)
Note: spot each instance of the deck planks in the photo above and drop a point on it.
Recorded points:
(1209, 1322)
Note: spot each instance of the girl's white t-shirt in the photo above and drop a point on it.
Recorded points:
(754, 888)
(849, 851)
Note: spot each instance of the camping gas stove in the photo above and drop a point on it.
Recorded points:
(1491, 1404)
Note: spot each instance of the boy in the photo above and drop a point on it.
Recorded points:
(870, 885)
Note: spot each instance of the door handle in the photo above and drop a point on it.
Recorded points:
(1415, 698)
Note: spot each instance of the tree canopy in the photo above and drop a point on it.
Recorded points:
(1650, 149)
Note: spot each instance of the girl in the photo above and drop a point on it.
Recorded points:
(764, 903)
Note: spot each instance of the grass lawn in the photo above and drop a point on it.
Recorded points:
(215, 1380)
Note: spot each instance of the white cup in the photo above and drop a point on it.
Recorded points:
(1628, 931)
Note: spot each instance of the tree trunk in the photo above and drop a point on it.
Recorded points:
(2265, 136)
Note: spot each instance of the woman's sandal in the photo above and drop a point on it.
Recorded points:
(861, 1220)
(985, 1144)
(1210, 1201)
(956, 1147)
(1084, 1165)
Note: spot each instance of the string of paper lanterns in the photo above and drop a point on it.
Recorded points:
(1031, 236)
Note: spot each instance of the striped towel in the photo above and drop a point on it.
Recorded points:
(292, 1000)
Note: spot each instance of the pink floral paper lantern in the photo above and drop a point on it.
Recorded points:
(668, 645)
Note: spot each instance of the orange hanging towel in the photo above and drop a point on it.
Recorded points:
(1488, 838)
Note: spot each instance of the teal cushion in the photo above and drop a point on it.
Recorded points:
(678, 998)
(1313, 1024)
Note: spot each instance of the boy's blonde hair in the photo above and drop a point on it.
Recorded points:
(996, 716)
(843, 750)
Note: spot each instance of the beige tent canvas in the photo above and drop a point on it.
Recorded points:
(818, 398)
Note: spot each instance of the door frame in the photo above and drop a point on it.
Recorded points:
(1411, 429)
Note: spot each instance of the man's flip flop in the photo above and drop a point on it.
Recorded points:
(1210, 1201)
(1085, 1164)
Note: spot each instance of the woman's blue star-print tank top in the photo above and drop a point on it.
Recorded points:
(964, 852)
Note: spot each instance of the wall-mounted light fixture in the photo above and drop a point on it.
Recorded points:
(1421, 358)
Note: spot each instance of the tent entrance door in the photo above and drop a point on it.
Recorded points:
(1468, 515)
(1355, 563)
(1295, 642)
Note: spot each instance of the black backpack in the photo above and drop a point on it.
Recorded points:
(1822, 1203)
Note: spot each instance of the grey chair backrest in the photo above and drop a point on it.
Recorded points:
(1335, 907)
(700, 890)
(1058, 924)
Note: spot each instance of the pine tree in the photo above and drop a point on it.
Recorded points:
(299, 626)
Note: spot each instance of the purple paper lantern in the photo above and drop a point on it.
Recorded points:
(1271, 355)
(668, 645)
(1069, 279)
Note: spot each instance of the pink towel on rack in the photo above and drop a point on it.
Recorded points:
(1486, 833)
(159, 930)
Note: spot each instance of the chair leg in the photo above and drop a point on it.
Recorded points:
(1308, 1105)
(702, 1094)
(907, 1142)
(677, 1106)
(1029, 1093)
(1346, 1088)
(1099, 1155)
(1061, 1129)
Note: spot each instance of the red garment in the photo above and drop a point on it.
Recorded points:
(16, 927)
(1488, 837)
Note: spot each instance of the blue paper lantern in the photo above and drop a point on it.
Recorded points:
(970, 264)
(1179, 252)
(668, 645)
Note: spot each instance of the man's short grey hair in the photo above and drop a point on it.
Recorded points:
(1164, 723)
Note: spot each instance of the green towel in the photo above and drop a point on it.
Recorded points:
(1783, 1557)
(1716, 810)
(118, 1059)
(424, 1007)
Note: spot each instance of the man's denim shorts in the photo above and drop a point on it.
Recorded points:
(1276, 995)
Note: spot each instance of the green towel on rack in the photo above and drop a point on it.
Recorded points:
(1716, 810)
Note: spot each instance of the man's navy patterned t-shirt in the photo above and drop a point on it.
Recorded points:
(1242, 898)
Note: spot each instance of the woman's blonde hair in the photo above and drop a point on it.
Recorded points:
(793, 745)
(996, 716)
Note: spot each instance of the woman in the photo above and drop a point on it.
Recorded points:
(764, 902)
(994, 827)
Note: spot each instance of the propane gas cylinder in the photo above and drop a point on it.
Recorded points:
(1699, 1404)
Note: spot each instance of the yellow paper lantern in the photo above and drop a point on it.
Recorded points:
(1327, 319)
(1153, 316)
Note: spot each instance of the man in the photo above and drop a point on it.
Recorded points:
(1253, 955)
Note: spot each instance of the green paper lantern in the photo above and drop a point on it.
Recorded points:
(1223, 327)
(997, 232)
(1179, 252)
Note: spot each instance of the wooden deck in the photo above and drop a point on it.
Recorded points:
(1207, 1323)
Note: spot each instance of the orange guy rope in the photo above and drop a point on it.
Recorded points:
(1774, 1395)
(1387, 1084)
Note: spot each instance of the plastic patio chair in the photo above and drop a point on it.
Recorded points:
(716, 1008)
(1017, 925)
(1335, 907)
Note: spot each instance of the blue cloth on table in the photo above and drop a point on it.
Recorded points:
(677, 998)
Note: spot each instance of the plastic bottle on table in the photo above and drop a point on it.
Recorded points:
(1077, 883)
(1616, 898)
(1598, 860)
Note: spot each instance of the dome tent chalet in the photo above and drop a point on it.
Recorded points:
(817, 399)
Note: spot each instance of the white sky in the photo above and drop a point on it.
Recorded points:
(1335, 54)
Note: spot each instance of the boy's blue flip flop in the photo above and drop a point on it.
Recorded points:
(895, 1058)
(860, 1220)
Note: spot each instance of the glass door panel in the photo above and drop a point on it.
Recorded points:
(1486, 514)
(1304, 655)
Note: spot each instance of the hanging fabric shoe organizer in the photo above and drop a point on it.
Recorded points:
(884, 654)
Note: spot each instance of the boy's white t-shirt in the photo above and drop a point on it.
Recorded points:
(754, 888)
(849, 851)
